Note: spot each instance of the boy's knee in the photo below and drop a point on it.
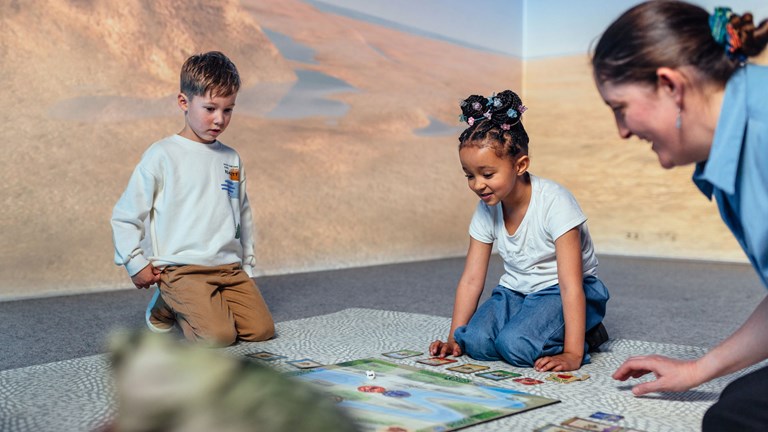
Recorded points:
(220, 335)
(258, 334)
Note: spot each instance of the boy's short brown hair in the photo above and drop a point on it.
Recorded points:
(210, 72)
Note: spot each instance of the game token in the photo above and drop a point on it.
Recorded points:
(265, 355)
(371, 389)
(498, 375)
(527, 381)
(397, 393)
(585, 424)
(606, 416)
(566, 377)
(305, 363)
(436, 361)
(468, 368)
(405, 353)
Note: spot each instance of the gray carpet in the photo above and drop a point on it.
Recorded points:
(667, 301)
(77, 395)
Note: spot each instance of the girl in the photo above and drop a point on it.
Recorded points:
(549, 294)
(677, 77)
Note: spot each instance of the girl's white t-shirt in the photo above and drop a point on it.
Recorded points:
(530, 262)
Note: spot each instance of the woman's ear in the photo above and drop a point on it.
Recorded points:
(671, 82)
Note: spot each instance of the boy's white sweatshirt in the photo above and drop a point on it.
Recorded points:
(180, 188)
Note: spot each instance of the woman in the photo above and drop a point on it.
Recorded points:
(678, 77)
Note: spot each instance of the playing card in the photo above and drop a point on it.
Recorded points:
(555, 428)
(265, 355)
(585, 424)
(498, 375)
(566, 377)
(436, 361)
(468, 368)
(606, 416)
(404, 353)
(305, 363)
(527, 381)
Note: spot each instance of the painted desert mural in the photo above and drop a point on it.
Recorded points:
(347, 127)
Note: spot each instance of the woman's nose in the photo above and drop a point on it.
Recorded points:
(624, 132)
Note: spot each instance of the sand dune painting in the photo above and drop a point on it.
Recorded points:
(347, 127)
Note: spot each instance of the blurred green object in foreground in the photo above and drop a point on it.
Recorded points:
(166, 385)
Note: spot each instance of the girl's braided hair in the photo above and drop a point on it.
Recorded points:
(495, 122)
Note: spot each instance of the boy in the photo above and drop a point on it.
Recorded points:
(191, 189)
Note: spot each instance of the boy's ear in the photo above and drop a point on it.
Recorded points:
(183, 102)
(522, 164)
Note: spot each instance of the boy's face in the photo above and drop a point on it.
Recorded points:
(205, 117)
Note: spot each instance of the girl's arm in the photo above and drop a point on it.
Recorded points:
(468, 294)
(570, 276)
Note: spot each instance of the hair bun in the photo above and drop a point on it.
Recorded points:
(473, 109)
(504, 109)
(753, 39)
(738, 34)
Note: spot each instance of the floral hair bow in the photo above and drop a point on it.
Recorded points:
(514, 114)
(493, 101)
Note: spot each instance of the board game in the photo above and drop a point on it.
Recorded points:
(404, 398)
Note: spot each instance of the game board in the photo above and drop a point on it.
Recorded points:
(404, 398)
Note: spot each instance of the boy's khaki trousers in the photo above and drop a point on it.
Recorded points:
(217, 304)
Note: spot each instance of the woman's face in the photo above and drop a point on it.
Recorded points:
(650, 114)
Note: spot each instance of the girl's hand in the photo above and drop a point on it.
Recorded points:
(441, 349)
(671, 374)
(558, 363)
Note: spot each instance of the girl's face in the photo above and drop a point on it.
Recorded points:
(649, 114)
(206, 117)
(492, 178)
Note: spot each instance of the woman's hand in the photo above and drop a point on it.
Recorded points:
(672, 375)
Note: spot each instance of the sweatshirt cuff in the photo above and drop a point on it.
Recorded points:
(248, 269)
(136, 264)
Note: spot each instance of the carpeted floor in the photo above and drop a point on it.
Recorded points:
(656, 300)
(76, 395)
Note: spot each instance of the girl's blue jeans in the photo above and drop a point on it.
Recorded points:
(519, 328)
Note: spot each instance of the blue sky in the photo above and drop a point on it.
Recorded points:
(550, 28)
(492, 24)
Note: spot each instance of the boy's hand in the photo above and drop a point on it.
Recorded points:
(441, 349)
(558, 363)
(148, 276)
